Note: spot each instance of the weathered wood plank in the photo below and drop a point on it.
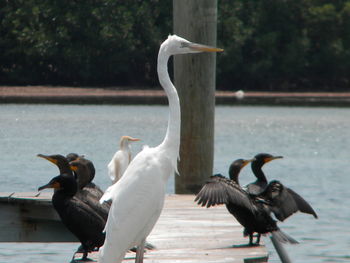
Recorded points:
(29, 218)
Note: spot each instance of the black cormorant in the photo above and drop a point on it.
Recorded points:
(87, 189)
(80, 218)
(72, 156)
(283, 200)
(91, 168)
(261, 182)
(80, 169)
(60, 161)
(250, 212)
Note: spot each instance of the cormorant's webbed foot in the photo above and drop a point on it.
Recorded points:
(257, 243)
(84, 257)
(251, 243)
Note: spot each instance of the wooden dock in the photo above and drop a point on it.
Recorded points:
(184, 233)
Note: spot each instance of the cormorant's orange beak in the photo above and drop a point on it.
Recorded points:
(54, 161)
(55, 185)
(245, 162)
(266, 160)
(73, 168)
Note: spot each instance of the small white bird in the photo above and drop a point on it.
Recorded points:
(121, 159)
(138, 197)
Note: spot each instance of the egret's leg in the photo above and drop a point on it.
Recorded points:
(140, 251)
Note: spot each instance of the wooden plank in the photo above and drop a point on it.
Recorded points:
(29, 218)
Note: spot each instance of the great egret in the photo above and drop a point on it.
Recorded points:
(139, 195)
(283, 201)
(251, 212)
(120, 159)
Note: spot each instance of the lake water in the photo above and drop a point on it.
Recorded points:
(314, 142)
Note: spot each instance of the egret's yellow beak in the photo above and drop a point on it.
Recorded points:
(203, 48)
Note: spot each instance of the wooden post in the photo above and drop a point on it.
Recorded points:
(282, 253)
(194, 75)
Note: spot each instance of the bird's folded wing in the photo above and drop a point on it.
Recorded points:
(83, 220)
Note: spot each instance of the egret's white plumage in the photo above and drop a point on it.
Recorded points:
(120, 159)
(138, 197)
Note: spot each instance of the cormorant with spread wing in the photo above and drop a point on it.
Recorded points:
(251, 212)
(283, 201)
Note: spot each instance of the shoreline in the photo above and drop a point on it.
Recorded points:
(77, 95)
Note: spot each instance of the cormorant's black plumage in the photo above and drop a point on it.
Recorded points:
(250, 212)
(282, 200)
(87, 190)
(261, 182)
(90, 172)
(80, 218)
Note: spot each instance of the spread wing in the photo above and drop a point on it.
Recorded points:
(302, 204)
(284, 202)
(220, 190)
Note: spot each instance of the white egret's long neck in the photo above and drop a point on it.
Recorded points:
(172, 138)
(124, 145)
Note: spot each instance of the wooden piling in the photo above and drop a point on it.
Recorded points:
(194, 74)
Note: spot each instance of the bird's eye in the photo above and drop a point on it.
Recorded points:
(183, 45)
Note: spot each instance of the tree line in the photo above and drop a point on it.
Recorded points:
(285, 45)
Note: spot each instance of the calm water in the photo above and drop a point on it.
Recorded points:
(314, 141)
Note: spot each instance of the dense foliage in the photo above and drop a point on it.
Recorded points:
(269, 45)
